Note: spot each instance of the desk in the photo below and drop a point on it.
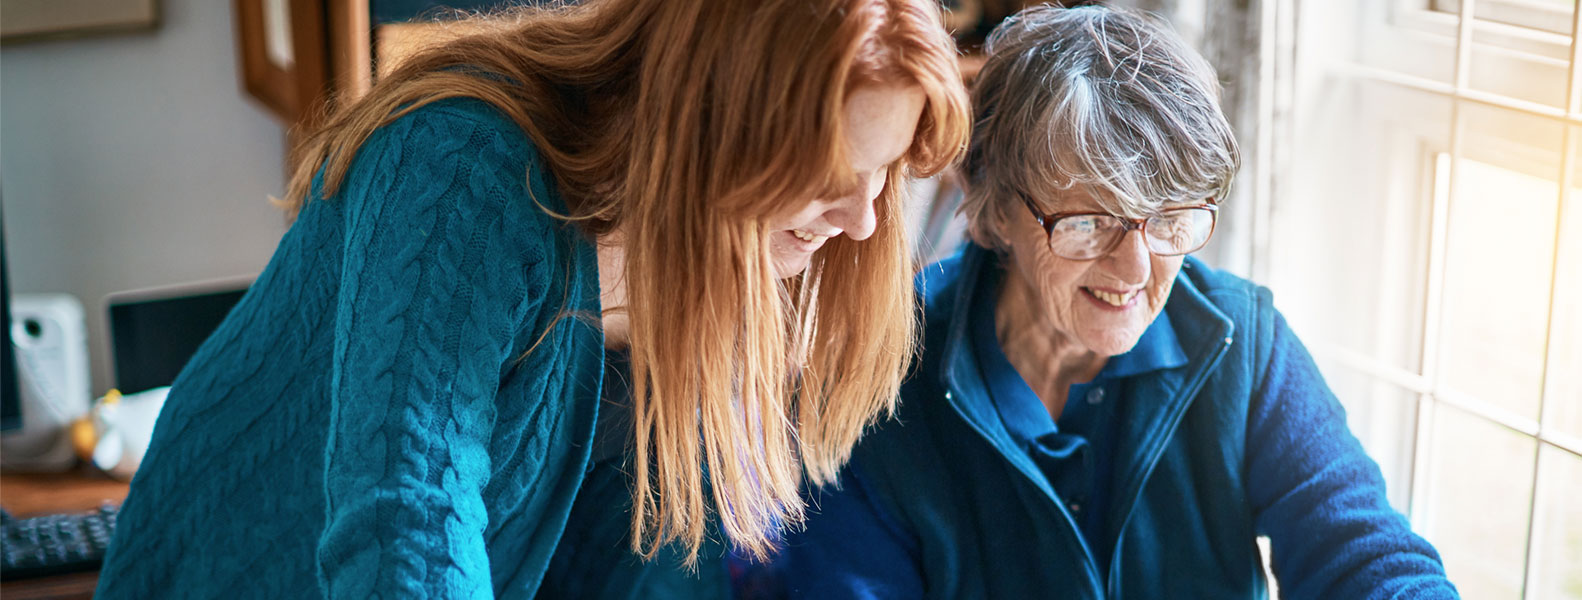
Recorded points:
(41, 494)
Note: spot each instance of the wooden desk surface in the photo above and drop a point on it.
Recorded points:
(27, 495)
(80, 490)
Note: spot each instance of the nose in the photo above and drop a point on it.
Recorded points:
(854, 212)
(1131, 260)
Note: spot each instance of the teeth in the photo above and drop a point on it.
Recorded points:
(1113, 299)
(808, 237)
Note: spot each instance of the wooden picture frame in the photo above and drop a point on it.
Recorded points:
(41, 19)
(298, 55)
(283, 47)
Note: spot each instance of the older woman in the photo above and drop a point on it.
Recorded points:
(1097, 415)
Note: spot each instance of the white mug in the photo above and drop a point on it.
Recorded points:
(124, 428)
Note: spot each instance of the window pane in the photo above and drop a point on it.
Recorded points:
(1499, 258)
(1383, 416)
(1479, 492)
(1509, 63)
(1394, 36)
(1564, 393)
(1547, 16)
(1558, 529)
(1348, 261)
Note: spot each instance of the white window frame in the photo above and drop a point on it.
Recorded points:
(1531, 15)
(1518, 33)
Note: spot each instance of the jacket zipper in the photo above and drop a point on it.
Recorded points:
(1112, 581)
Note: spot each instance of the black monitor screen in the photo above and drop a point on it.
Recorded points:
(154, 338)
(10, 402)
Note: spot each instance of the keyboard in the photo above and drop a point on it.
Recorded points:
(54, 544)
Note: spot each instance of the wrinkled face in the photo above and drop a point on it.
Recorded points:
(1104, 304)
(880, 121)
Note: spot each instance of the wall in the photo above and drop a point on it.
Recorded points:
(135, 160)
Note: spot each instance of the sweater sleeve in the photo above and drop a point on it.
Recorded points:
(437, 275)
(1321, 499)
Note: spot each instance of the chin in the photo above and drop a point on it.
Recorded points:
(1110, 344)
(787, 267)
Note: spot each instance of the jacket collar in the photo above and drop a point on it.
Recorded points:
(959, 370)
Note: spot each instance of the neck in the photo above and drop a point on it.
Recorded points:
(1048, 359)
(611, 248)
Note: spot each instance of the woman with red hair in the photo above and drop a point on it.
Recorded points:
(564, 301)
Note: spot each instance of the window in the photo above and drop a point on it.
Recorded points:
(1543, 15)
(1425, 240)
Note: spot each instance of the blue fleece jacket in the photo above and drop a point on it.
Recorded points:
(1237, 438)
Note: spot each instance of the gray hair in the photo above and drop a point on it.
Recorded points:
(1105, 99)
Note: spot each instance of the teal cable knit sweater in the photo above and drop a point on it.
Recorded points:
(368, 422)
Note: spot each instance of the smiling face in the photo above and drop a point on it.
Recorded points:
(880, 121)
(1101, 305)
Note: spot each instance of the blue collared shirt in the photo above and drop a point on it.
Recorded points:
(1075, 454)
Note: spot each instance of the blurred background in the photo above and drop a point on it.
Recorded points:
(1411, 194)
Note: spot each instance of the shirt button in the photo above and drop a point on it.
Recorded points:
(1095, 395)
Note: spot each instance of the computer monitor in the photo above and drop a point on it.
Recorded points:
(10, 399)
(154, 332)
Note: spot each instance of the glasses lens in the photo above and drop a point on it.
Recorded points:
(1084, 236)
(1179, 231)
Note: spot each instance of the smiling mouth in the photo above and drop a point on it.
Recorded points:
(1112, 299)
(812, 238)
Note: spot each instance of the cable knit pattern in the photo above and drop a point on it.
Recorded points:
(364, 423)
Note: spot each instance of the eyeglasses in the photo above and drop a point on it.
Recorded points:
(1086, 236)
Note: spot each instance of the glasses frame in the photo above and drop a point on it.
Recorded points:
(1128, 225)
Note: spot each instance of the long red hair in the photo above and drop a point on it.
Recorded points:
(685, 124)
